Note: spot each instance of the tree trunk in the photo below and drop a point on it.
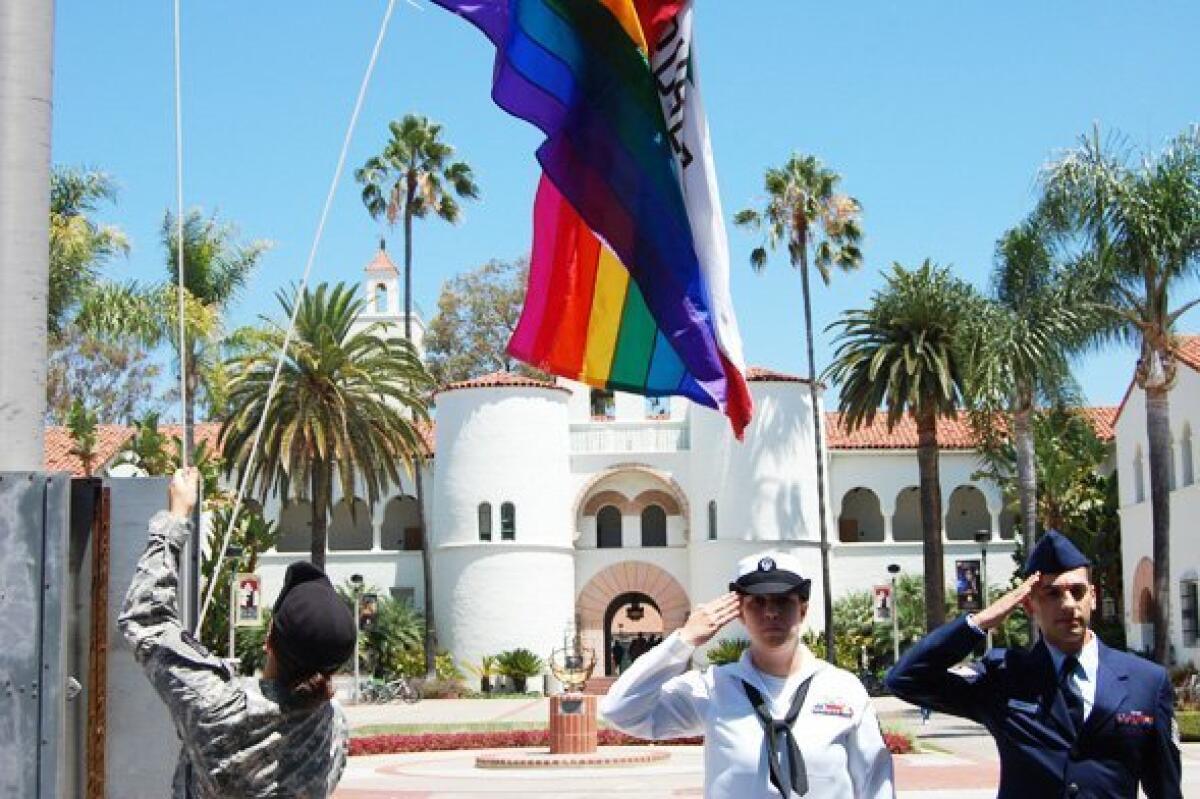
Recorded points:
(418, 480)
(819, 449)
(192, 381)
(1026, 482)
(931, 521)
(25, 102)
(408, 267)
(426, 572)
(321, 484)
(1158, 433)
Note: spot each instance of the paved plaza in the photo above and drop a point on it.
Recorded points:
(959, 761)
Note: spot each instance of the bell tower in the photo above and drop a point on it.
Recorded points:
(383, 292)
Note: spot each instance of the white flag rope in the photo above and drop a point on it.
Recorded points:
(287, 339)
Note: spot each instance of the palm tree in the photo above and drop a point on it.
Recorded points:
(1020, 348)
(216, 269)
(407, 180)
(78, 245)
(348, 405)
(904, 354)
(805, 213)
(1137, 221)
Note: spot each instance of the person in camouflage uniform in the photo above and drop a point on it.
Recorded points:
(281, 735)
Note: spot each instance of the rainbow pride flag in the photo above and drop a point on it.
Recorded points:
(629, 273)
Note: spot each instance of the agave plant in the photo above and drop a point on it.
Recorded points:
(727, 650)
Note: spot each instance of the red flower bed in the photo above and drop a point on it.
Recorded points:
(442, 741)
(898, 743)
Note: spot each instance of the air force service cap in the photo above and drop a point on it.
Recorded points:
(770, 573)
(312, 628)
(1054, 554)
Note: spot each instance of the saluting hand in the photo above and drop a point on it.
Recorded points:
(994, 614)
(710, 617)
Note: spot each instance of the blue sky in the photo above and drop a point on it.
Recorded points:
(937, 114)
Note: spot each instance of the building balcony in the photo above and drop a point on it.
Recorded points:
(606, 437)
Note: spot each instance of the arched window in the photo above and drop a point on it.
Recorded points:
(1171, 482)
(350, 528)
(608, 528)
(508, 522)
(604, 405)
(402, 525)
(381, 298)
(1139, 478)
(485, 521)
(654, 527)
(1185, 453)
(712, 520)
(295, 528)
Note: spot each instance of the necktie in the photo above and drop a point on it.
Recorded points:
(1071, 693)
(796, 777)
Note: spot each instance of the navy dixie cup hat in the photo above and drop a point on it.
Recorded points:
(770, 573)
(312, 629)
(1054, 554)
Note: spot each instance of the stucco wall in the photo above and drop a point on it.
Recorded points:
(1136, 528)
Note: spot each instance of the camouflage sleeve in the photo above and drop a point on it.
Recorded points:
(197, 687)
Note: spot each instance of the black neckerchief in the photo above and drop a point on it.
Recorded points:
(798, 776)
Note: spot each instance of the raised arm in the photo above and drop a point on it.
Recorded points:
(929, 674)
(658, 696)
(190, 681)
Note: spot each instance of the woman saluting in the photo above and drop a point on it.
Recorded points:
(778, 723)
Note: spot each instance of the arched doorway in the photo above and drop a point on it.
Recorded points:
(634, 621)
(612, 589)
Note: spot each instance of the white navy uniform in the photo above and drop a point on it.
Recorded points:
(838, 734)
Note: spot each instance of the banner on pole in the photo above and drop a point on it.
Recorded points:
(249, 600)
(966, 585)
(882, 605)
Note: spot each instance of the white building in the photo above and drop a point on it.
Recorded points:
(1137, 556)
(547, 501)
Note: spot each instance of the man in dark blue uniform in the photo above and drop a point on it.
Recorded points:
(1071, 717)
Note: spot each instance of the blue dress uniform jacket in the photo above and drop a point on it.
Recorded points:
(237, 738)
(1128, 736)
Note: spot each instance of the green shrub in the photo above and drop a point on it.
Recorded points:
(411, 663)
(440, 689)
(1189, 724)
(727, 650)
(519, 665)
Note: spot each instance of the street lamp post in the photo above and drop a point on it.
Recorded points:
(983, 536)
(894, 569)
(356, 580)
(234, 554)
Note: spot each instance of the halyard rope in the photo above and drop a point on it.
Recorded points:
(287, 339)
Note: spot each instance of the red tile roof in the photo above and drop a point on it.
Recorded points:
(760, 374)
(382, 263)
(955, 433)
(57, 446)
(502, 380)
(112, 438)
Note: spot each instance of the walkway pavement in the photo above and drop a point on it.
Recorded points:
(960, 761)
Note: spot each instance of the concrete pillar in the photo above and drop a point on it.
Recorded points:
(888, 513)
(26, 35)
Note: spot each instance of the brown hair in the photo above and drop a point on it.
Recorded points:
(301, 691)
